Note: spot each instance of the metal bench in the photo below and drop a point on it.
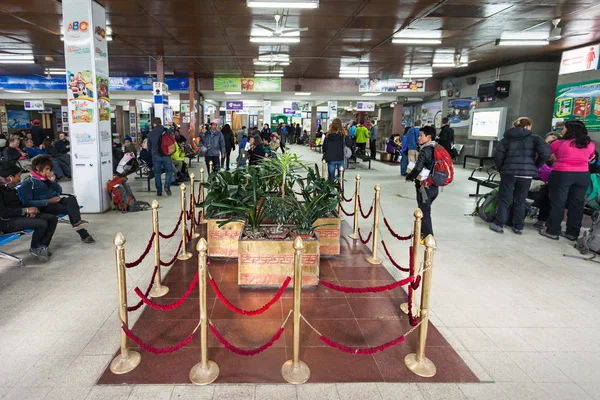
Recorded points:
(11, 237)
(489, 182)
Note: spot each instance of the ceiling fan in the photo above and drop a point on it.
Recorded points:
(555, 33)
(280, 30)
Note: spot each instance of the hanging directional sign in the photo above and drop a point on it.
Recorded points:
(235, 105)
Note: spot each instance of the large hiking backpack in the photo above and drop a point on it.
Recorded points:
(167, 146)
(443, 169)
(590, 240)
(486, 206)
(592, 195)
(122, 196)
(128, 165)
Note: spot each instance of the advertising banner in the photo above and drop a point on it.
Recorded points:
(301, 106)
(577, 60)
(431, 113)
(37, 105)
(3, 119)
(18, 119)
(59, 84)
(579, 101)
(267, 111)
(247, 84)
(332, 109)
(459, 112)
(365, 106)
(391, 85)
(234, 105)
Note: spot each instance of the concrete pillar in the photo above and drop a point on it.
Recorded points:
(313, 121)
(193, 126)
(160, 70)
(361, 116)
(119, 117)
(3, 119)
(397, 127)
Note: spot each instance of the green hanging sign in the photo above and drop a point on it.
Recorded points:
(247, 84)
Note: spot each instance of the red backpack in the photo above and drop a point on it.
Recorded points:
(167, 144)
(443, 169)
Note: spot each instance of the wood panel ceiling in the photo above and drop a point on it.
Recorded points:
(211, 37)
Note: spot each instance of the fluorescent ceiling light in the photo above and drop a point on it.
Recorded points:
(274, 39)
(55, 71)
(109, 38)
(303, 93)
(17, 61)
(371, 94)
(274, 57)
(284, 4)
(17, 91)
(448, 65)
(261, 74)
(524, 35)
(266, 63)
(365, 75)
(5, 56)
(502, 42)
(416, 41)
(424, 75)
(233, 93)
(418, 34)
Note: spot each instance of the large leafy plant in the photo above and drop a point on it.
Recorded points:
(315, 185)
(225, 191)
(304, 214)
(283, 171)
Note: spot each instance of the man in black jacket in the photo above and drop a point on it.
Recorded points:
(446, 137)
(519, 155)
(63, 146)
(426, 195)
(37, 133)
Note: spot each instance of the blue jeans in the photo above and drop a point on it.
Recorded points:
(332, 167)
(404, 164)
(159, 163)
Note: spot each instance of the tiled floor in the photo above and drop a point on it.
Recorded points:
(523, 317)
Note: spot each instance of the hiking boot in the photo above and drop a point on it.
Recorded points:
(88, 239)
(572, 238)
(40, 253)
(79, 225)
(539, 224)
(168, 192)
(544, 232)
(497, 228)
(517, 231)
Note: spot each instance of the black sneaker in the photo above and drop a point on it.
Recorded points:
(40, 253)
(539, 224)
(82, 224)
(88, 239)
(572, 238)
(544, 232)
(159, 194)
(47, 251)
(168, 192)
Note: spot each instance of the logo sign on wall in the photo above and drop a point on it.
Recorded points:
(365, 106)
(288, 111)
(577, 60)
(234, 105)
(37, 105)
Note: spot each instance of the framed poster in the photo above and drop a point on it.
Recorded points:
(580, 101)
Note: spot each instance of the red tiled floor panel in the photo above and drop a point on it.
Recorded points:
(354, 320)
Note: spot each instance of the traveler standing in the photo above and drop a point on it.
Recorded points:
(37, 133)
(446, 137)
(265, 133)
(569, 180)
(404, 153)
(333, 148)
(519, 155)
(241, 133)
(373, 136)
(352, 130)
(229, 146)
(412, 141)
(362, 137)
(160, 161)
(215, 143)
(298, 134)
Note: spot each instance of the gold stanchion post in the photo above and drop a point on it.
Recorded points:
(417, 362)
(158, 290)
(354, 234)
(184, 254)
(372, 259)
(127, 360)
(206, 371)
(416, 244)
(210, 167)
(324, 169)
(295, 371)
(195, 235)
(341, 189)
(203, 221)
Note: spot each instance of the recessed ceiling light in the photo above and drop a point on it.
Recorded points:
(371, 94)
(303, 93)
(275, 39)
(233, 93)
(284, 4)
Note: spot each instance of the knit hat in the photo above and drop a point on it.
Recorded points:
(8, 169)
(128, 138)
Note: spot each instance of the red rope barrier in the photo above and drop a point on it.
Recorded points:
(243, 352)
(253, 312)
(172, 261)
(144, 254)
(412, 319)
(146, 293)
(345, 199)
(394, 234)
(394, 263)
(362, 350)
(367, 215)
(372, 289)
(189, 235)
(155, 350)
(364, 241)
(172, 306)
(170, 235)
(346, 213)
(199, 217)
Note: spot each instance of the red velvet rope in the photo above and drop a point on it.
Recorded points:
(172, 306)
(155, 350)
(169, 236)
(365, 241)
(394, 263)
(243, 352)
(139, 304)
(367, 215)
(344, 211)
(394, 234)
(172, 261)
(345, 199)
(412, 319)
(372, 289)
(199, 217)
(253, 312)
(189, 235)
(362, 350)
(144, 254)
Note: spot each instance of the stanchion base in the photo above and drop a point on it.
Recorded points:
(184, 256)
(295, 374)
(424, 368)
(404, 309)
(374, 260)
(159, 291)
(120, 365)
(204, 376)
(353, 236)
(195, 235)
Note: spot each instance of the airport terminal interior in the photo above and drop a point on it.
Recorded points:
(300, 199)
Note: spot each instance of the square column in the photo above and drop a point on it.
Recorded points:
(86, 59)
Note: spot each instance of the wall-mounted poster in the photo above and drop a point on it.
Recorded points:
(579, 101)
(301, 106)
(247, 84)
(431, 113)
(18, 119)
(459, 112)
(408, 116)
(582, 59)
(391, 85)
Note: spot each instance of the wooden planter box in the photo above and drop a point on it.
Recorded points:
(223, 241)
(329, 235)
(266, 263)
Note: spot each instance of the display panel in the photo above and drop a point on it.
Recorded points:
(487, 124)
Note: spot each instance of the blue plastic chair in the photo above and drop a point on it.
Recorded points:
(10, 237)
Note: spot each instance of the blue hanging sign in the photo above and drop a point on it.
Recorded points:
(60, 83)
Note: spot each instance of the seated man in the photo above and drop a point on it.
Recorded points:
(33, 151)
(40, 190)
(145, 154)
(14, 217)
(63, 146)
(129, 146)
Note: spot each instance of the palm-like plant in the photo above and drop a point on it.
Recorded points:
(284, 171)
(304, 214)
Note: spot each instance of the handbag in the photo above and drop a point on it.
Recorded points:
(347, 150)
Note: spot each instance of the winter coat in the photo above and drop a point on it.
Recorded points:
(229, 141)
(61, 146)
(265, 134)
(362, 134)
(36, 193)
(426, 160)
(179, 154)
(37, 134)
(215, 142)
(521, 153)
(333, 147)
(257, 154)
(154, 140)
(412, 139)
(34, 151)
(391, 147)
(446, 137)
(10, 154)
(10, 204)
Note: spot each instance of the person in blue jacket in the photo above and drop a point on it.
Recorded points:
(412, 143)
(404, 159)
